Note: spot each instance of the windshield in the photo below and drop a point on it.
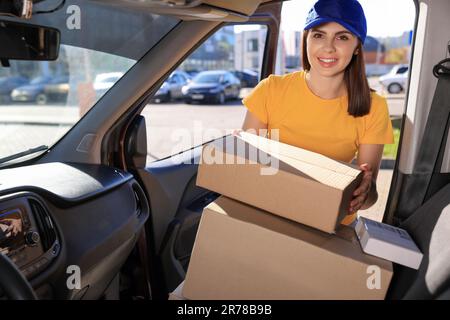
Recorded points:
(65, 89)
(208, 78)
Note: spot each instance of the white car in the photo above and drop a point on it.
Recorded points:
(171, 88)
(396, 80)
(104, 81)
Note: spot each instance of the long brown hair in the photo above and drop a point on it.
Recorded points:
(358, 90)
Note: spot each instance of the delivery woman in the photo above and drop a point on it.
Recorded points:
(328, 107)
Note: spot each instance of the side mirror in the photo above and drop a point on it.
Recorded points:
(28, 42)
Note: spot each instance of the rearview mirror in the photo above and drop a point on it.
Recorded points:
(21, 41)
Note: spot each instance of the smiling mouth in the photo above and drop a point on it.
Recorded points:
(326, 60)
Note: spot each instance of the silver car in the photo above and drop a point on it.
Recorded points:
(171, 88)
(396, 80)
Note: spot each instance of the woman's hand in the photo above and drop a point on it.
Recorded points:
(362, 192)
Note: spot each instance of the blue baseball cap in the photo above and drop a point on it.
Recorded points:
(347, 13)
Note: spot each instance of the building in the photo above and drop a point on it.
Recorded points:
(215, 53)
(249, 49)
(374, 51)
(291, 42)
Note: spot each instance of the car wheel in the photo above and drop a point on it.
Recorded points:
(221, 98)
(41, 99)
(395, 88)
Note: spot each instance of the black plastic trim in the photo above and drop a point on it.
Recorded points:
(63, 184)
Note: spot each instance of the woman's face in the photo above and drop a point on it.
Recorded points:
(330, 48)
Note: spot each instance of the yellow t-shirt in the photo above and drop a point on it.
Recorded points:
(320, 125)
(323, 126)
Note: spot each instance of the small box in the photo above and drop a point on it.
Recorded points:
(388, 242)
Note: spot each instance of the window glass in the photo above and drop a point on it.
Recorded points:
(205, 107)
(387, 48)
(402, 70)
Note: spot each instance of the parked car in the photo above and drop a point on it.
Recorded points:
(192, 72)
(57, 90)
(35, 91)
(248, 78)
(171, 88)
(214, 86)
(104, 81)
(395, 80)
(8, 84)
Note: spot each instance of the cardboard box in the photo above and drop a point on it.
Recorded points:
(242, 252)
(177, 293)
(298, 184)
(388, 242)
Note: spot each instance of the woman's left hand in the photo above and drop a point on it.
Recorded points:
(362, 192)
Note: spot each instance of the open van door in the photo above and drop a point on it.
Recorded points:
(419, 197)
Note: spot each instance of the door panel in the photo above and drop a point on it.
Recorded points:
(176, 204)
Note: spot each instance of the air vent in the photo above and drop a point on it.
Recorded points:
(45, 226)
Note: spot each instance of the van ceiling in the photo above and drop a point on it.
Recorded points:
(195, 9)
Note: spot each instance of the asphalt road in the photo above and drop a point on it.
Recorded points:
(171, 127)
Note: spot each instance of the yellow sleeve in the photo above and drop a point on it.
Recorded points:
(257, 101)
(378, 129)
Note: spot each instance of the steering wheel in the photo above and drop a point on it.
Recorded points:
(12, 281)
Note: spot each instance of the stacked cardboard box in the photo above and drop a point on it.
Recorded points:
(279, 237)
(242, 252)
(291, 182)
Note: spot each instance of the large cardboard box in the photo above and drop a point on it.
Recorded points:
(285, 180)
(242, 252)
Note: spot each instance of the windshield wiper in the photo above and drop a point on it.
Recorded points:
(23, 153)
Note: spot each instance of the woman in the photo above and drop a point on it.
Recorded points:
(328, 107)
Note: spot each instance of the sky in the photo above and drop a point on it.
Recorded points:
(384, 17)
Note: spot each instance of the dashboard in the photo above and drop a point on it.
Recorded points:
(55, 217)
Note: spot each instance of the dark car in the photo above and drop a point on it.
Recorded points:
(212, 86)
(8, 84)
(192, 73)
(35, 90)
(248, 78)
